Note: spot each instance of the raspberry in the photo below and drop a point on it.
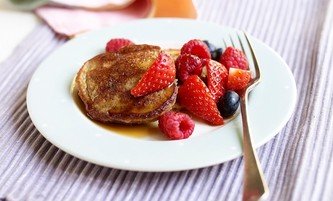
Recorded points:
(116, 44)
(176, 125)
(187, 65)
(234, 58)
(196, 47)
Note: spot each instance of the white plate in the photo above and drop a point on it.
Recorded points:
(56, 115)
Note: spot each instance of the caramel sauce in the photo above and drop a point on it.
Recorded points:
(136, 131)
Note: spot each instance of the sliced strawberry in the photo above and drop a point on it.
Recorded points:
(116, 44)
(238, 79)
(160, 75)
(196, 98)
(234, 58)
(196, 47)
(217, 76)
(187, 64)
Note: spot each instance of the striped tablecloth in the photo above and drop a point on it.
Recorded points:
(298, 162)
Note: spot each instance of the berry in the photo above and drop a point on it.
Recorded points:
(196, 47)
(176, 125)
(160, 75)
(234, 58)
(210, 46)
(238, 79)
(196, 98)
(216, 54)
(116, 44)
(187, 65)
(217, 76)
(228, 104)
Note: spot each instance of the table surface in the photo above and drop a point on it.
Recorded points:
(298, 162)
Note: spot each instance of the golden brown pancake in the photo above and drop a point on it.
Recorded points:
(104, 83)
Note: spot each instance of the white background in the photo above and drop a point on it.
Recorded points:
(14, 26)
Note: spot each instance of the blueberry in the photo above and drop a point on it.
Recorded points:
(216, 54)
(211, 47)
(228, 104)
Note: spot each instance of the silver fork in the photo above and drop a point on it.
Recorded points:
(255, 186)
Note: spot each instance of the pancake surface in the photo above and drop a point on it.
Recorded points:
(104, 83)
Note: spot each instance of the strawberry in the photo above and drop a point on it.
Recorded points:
(116, 44)
(217, 76)
(196, 47)
(234, 58)
(196, 98)
(160, 75)
(238, 79)
(187, 65)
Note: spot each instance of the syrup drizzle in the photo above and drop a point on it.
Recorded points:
(136, 131)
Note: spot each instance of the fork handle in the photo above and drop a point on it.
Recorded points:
(255, 186)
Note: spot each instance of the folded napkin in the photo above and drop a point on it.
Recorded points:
(72, 17)
(93, 5)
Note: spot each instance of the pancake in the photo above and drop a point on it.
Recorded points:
(104, 83)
